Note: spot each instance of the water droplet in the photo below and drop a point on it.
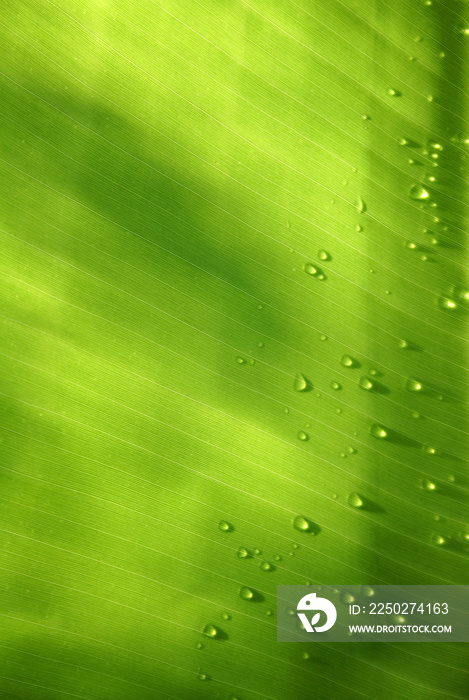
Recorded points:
(439, 540)
(303, 436)
(305, 655)
(335, 385)
(225, 526)
(301, 383)
(402, 141)
(403, 344)
(226, 616)
(312, 270)
(243, 553)
(447, 304)
(323, 337)
(277, 557)
(429, 450)
(323, 255)
(246, 593)
(429, 485)
(358, 228)
(354, 500)
(338, 410)
(265, 566)
(346, 598)
(347, 361)
(365, 383)
(361, 206)
(430, 98)
(302, 524)
(203, 677)
(199, 645)
(268, 612)
(260, 307)
(413, 385)
(335, 496)
(240, 360)
(260, 344)
(378, 431)
(257, 551)
(351, 450)
(394, 93)
(411, 245)
(418, 192)
(365, 117)
(342, 454)
(367, 591)
(212, 631)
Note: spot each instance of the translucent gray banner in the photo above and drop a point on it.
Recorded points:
(372, 613)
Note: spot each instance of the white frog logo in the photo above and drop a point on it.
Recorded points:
(311, 603)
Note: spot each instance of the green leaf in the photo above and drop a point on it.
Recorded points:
(235, 308)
